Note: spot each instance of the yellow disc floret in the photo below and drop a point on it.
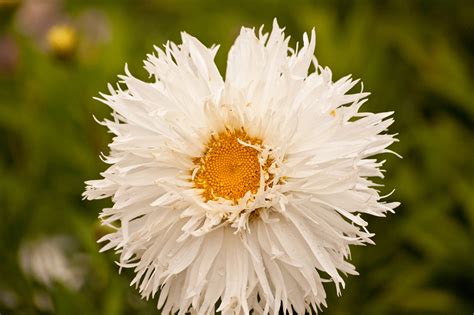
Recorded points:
(228, 168)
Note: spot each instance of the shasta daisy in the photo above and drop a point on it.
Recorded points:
(242, 193)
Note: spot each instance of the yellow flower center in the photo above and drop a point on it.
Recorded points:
(228, 169)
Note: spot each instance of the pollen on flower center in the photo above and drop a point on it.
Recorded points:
(228, 169)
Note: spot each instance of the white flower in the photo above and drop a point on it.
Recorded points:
(245, 193)
(48, 260)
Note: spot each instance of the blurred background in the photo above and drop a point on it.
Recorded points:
(416, 57)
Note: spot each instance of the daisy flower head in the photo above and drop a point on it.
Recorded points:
(239, 194)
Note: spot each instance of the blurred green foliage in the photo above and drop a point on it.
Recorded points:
(416, 57)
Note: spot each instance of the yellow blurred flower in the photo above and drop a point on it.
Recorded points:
(9, 2)
(62, 40)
